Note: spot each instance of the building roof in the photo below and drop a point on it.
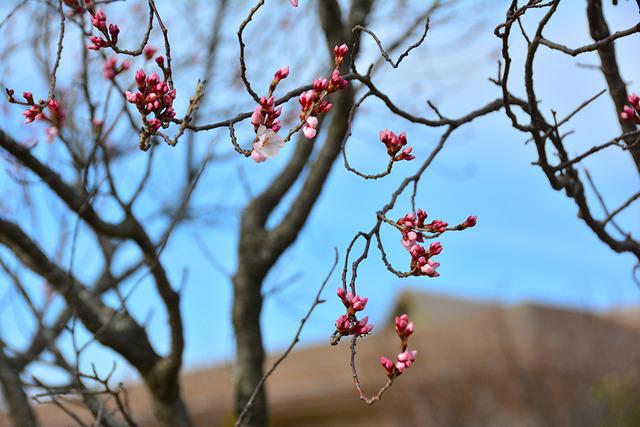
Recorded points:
(478, 364)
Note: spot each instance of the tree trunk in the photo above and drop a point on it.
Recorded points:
(14, 395)
(170, 414)
(168, 407)
(247, 308)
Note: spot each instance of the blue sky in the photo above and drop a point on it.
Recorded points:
(528, 244)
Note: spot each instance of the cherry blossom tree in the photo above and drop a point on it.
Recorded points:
(126, 109)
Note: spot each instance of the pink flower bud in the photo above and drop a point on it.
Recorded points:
(160, 61)
(343, 325)
(437, 226)
(294, 3)
(405, 154)
(404, 327)
(422, 216)
(153, 125)
(343, 296)
(133, 97)
(312, 121)
(309, 132)
(153, 79)
(114, 30)
(320, 84)
(628, 113)
(256, 117)
(140, 77)
(99, 20)
(282, 73)
(429, 269)
(435, 248)
(387, 365)
(471, 221)
(149, 51)
(404, 360)
(340, 51)
(359, 303)
(309, 129)
(362, 327)
(324, 107)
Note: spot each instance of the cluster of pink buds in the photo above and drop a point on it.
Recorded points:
(347, 324)
(111, 69)
(266, 122)
(631, 112)
(99, 21)
(353, 303)
(394, 143)
(266, 115)
(413, 229)
(49, 111)
(153, 96)
(313, 101)
(404, 328)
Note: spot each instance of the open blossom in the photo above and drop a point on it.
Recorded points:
(267, 144)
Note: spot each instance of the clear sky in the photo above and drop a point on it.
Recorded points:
(528, 244)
